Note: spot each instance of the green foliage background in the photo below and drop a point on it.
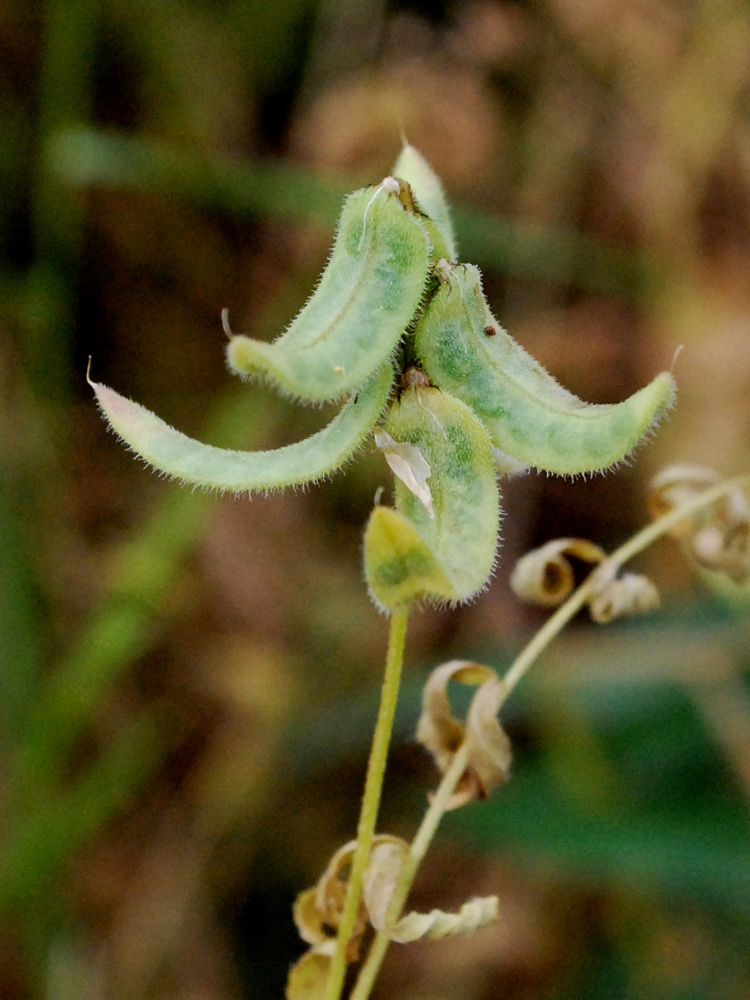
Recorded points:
(188, 684)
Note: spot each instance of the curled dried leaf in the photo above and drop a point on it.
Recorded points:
(674, 486)
(310, 922)
(442, 734)
(437, 924)
(317, 911)
(408, 463)
(725, 551)
(629, 594)
(380, 881)
(490, 752)
(545, 576)
(718, 536)
(381, 876)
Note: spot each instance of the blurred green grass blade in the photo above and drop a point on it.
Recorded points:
(553, 256)
(68, 41)
(51, 834)
(19, 669)
(88, 158)
(142, 570)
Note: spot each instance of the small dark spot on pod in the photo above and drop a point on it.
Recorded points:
(490, 331)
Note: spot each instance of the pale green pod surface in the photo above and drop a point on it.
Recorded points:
(412, 167)
(366, 298)
(182, 458)
(527, 413)
(410, 554)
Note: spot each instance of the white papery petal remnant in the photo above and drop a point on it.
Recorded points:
(409, 465)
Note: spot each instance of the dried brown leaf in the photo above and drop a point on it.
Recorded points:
(442, 734)
(674, 486)
(380, 881)
(726, 551)
(437, 924)
(386, 862)
(317, 911)
(545, 576)
(490, 751)
(629, 594)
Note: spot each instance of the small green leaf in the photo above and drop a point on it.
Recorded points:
(412, 167)
(190, 461)
(410, 554)
(528, 415)
(367, 296)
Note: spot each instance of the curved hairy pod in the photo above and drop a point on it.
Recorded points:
(183, 458)
(528, 415)
(366, 298)
(447, 551)
(412, 167)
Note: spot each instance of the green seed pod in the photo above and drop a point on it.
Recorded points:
(412, 167)
(528, 415)
(444, 550)
(180, 457)
(367, 296)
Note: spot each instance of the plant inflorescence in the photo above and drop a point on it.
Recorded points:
(401, 332)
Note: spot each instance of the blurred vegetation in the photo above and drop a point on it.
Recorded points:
(188, 684)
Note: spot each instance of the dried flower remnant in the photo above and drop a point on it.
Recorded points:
(717, 536)
(545, 576)
(489, 750)
(408, 464)
(615, 596)
(317, 911)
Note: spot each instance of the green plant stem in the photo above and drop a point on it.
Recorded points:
(515, 673)
(370, 800)
(417, 851)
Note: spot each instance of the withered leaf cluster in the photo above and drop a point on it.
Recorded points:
(318, 911)
(545, 576)
(716, 536)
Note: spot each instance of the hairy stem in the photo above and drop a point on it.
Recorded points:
(370, 801)
(515, 673)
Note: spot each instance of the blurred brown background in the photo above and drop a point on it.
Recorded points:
(188, 684)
